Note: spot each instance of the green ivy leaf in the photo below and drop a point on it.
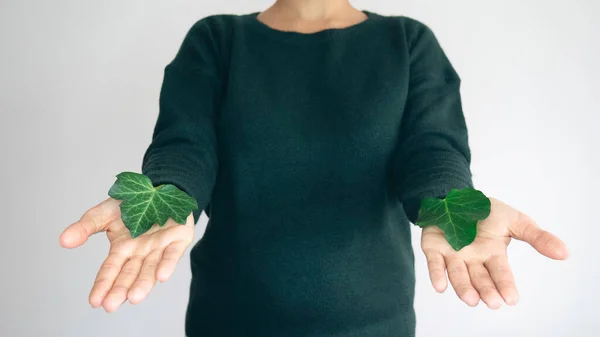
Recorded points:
(144, 205)
(457, 215)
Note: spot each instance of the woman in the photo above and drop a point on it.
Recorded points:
(309, 133)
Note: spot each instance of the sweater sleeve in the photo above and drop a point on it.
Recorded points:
(433, 153)
(183, 150)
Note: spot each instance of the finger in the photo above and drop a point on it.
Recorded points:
(106, 277)
(546, 243)
(147, 278)
(481, 280)
(437, 270)
(118, 293)
(171, 257)
(461, 282)
(502, 276)
(93, 221)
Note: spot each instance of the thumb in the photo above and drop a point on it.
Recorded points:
(94, 220)
(546, 243)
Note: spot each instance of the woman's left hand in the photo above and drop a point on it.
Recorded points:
(480, 270)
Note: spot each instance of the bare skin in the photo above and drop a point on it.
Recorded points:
(132, 266)
(309, 16)
(480, 271)
(477, 272)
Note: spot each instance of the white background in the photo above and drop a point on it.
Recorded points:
(79, 85)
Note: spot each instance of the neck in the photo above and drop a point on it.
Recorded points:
(313, 10)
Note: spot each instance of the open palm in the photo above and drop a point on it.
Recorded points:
(481, 270)
(132, 266)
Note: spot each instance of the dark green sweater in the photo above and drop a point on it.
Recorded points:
(309, 153)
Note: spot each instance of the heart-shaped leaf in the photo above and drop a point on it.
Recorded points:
(457, 215)
(144, 205)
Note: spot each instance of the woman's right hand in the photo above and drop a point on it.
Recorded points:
(132, 266)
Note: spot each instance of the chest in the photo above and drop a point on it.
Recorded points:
(334, 103)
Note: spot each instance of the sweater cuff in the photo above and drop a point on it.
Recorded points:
(443, 173)
(178, 170)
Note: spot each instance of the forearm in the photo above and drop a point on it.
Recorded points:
(433, 154)
(183, 151)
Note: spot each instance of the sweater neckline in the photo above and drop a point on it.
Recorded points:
(322, 35)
